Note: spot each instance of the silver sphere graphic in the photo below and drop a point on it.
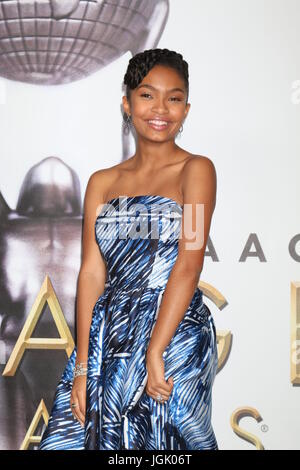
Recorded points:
(60, 41)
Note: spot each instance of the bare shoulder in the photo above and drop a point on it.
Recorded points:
(198, 168)
(99, 177)
(114, 170)
(199, 163)
(106, 173)
(104, 178)
(199, 179)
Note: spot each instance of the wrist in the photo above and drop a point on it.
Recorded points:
(81, 361)
(154, 352)
(79, 369)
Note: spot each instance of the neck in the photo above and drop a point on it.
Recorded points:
(151, 155)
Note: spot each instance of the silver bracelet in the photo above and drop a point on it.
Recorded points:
(79, 370)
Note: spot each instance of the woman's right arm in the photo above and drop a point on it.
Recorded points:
(92, 274)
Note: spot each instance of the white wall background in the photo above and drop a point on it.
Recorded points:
(243, 57)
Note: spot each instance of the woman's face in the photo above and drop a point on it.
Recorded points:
(158, 104)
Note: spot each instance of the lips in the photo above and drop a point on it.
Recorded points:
(158, 124)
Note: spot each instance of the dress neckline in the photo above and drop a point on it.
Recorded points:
(144, 196)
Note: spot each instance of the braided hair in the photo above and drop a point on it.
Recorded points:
(140, 64)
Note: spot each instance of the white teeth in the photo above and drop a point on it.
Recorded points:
(159, 123)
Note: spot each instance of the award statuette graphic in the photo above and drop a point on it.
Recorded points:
(52, 42)
(59, 41)
(41, 238)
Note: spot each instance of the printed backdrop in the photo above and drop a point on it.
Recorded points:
(61, 71)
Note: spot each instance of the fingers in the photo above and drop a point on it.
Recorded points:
(80, 415)
(162, 392)
(77, 414)
(81, 408)
(78, 411)
(164, 389)
(170, 382)
(154, 396)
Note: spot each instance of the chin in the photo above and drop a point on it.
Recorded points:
(156, 136)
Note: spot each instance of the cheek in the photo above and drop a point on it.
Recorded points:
(177, 113)
(141, 109)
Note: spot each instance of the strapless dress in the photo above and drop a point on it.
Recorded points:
(138, 238)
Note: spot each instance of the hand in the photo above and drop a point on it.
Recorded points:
(78, 396)
(156, 383)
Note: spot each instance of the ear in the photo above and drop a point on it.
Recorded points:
(187, 108)
(126, 105)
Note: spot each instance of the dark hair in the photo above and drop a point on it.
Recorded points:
(140, 64)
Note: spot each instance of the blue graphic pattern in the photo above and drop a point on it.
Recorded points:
(119, 413)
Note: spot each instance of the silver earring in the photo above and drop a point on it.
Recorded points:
(180, 131)
(127, 123)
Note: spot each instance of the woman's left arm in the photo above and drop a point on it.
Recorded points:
(199, 184)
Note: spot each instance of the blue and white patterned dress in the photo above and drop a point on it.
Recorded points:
(138, 237)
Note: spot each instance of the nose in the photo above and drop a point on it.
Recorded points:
(159, 106)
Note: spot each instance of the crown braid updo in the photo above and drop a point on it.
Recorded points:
(140, 64)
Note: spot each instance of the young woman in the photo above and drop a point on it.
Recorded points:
(141, 374)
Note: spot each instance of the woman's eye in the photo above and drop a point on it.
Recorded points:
(173, 98)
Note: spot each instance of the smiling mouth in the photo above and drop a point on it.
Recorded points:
(158, 124)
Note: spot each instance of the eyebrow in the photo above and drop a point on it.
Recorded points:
(153, 88)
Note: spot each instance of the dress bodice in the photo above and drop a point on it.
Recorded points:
(138, 238)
